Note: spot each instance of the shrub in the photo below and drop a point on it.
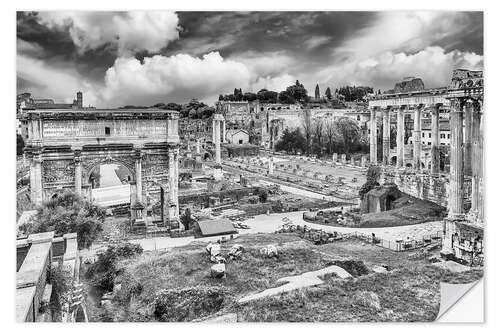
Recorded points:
(68, 213)
(263, 194)
(102, 273)
(188, 303)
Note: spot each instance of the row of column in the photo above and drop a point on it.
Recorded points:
(466, 156)
(217, 122)
(400, 135)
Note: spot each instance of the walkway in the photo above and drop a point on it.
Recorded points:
(270, 223)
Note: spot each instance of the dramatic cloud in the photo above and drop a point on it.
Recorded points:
(130, 31)
(59, 83)
(432, 64)
(142, 58)
(180, 77)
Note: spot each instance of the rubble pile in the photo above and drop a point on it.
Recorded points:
(218, 270)
(316, 236)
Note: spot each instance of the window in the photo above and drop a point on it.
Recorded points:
(423, 135)
(240, 142)
(429, 135)
(428, 143)
(442, 136)
(448, 136)
(107, 131)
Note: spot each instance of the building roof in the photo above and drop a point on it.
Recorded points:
(216, 227)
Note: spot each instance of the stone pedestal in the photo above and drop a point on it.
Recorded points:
(270, 166)
(363, 161)
(343, 159)
(334, 157)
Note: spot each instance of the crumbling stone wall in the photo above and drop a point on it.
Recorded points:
(425, 186)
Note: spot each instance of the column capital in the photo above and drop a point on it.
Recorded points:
(457, 104)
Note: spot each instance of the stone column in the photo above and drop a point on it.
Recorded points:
(386, 136)
(477, 158)
(138, 174)
(417, 137)
(175, 184)
(373, 136)
(334, 157)
(455, 195)
(213, 130)
(363, 161)
(78, 173)
(36, 180)
(435, 160)
(198, 148)
(270, 165)
(217, 142)
(468, 138)
(224, 130)
(400, 137)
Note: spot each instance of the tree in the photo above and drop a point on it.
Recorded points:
(186, 219)
(285, 98)
(328, 93)
(372, 176)
(330, 136)
(298, 92)
(249, 96)
(263, 194)
(317, 132)
(291, 141)
(19, 145)
(68, 213)
(347, 134)
(307, 127)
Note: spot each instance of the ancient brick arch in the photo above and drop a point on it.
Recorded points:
(64, 146)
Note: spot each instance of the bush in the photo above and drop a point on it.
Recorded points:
(68, 213)
(188, 303)
(263, 194)
(102, 273)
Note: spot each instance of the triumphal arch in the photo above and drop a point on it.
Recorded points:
(65, 146)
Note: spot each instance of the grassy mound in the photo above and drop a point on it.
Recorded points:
(175, 285)
(408, 211)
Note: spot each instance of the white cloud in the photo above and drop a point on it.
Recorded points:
(404, 31)
(175, 78)
(130, 31)
(48, 81)
(431, 64)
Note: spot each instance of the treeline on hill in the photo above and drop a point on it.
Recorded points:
(323, 138)
(293, 94)
(193, 109)
(353, 93)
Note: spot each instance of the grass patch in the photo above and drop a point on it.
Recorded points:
(175, 285)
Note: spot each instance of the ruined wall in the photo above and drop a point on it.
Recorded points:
(424, 185)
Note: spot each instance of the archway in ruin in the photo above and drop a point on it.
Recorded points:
(70, 149)
(109, 183)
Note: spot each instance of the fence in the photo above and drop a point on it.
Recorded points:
(401, 244)
(319, 237)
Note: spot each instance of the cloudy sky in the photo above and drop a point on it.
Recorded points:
(142, 58)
